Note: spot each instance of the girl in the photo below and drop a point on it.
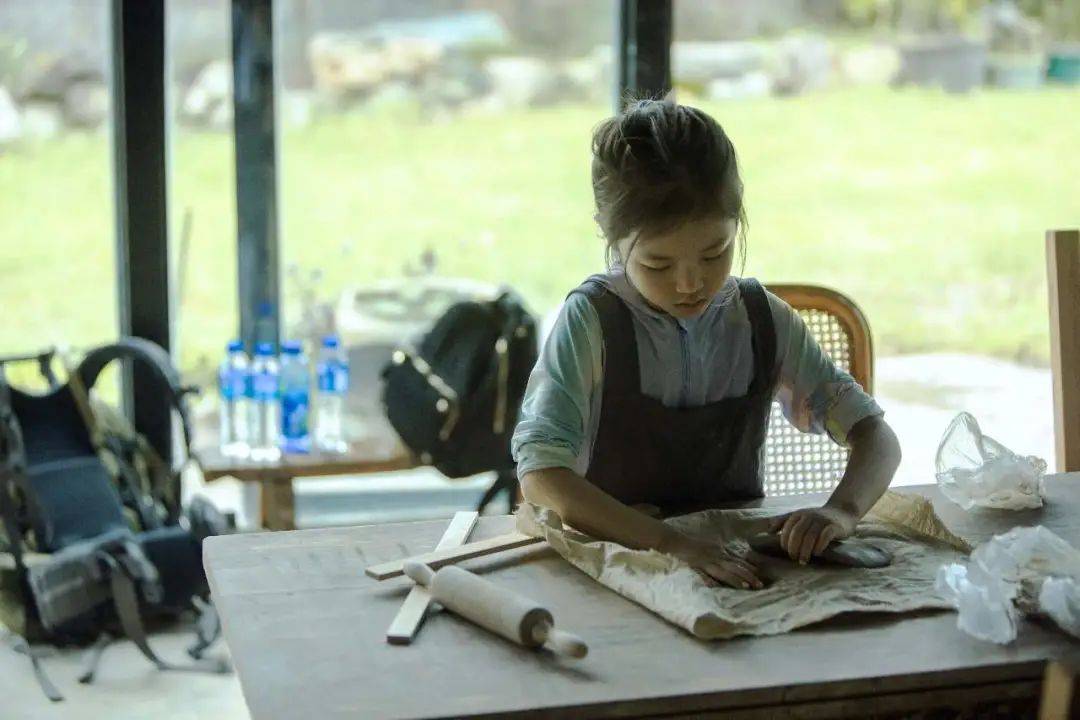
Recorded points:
(655, 383)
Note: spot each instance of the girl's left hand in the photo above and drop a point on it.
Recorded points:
(808, 532)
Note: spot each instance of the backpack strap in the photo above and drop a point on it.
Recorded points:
(153, 357)
(124, 571)
(12, 462)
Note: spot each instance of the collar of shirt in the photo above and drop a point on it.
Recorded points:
(617, 281)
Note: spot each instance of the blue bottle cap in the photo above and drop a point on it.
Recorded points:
(264, 348)
(235, 346)
(330, 341)
(291, 347)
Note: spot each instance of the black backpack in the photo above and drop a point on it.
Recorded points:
(93, 544)
(454, 398)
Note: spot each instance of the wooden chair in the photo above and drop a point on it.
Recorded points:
(797, 463)
(1063, 282)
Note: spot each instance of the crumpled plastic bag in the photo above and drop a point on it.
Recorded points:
(984, 604)
(974, 470)
(1027, 569)
(1060, 599)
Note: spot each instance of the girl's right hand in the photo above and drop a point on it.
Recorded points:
(714, 562)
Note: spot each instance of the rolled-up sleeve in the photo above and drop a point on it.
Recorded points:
(816, 396)
(559, 398)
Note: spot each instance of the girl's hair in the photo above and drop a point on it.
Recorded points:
(659, 164)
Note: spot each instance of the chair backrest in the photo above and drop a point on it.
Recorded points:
(1063, 282)
(795, 462)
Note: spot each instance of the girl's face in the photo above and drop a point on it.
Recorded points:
(679, 271)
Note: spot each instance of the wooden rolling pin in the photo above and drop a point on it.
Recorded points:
(497, 609)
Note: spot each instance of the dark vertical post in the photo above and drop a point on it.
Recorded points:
(142, 242)
(644, 31)
(256, 171)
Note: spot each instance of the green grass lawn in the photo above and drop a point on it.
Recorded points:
(928, 209)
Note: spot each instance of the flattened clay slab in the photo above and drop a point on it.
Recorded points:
(851, 552)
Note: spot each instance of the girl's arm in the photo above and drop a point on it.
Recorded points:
(592, 511)
(819, 397)
(875, 455)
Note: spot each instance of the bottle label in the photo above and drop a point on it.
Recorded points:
(264, 386)
(325, 374)
(341, 379)
(237, 384)
(294, 415)
(333, 378)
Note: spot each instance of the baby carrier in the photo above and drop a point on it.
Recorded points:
(94, 539)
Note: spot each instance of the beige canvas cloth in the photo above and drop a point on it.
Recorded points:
(904, 525)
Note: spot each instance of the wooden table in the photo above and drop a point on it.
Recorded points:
(307, 633)
(380, 451)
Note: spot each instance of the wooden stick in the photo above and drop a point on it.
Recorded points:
(439, 558)
(1063, 281)
(407, 621)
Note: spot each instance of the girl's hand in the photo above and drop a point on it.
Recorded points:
(712, 561)
(808, 532)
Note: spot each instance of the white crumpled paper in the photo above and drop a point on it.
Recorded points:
(974, 470)
(904, 525)
(1027, 569)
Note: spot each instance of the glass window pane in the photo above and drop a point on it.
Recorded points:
(877, 162)
(57, 241)
(202, 219)
(202, 196)
(439, 145)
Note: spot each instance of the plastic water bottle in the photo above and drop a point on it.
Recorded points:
(265, 425)
(233, 410)
(295, 399)
(332, 371)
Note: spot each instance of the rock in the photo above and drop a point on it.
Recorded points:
(41, 120)
(296, 108)
(698, 63)
(211, 87)
(591, 75)
(804, 64)
(518, 82)
(411, 58)
(953, 62)
(343, 64)
(10, 122)
(457, 82)
(221, 117)
(870, 65)
(86, 104)
(752, 84)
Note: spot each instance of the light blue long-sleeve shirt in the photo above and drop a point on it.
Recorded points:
(683, 363)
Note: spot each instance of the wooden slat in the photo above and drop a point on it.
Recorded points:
(407, 621)
(1060, 700)
(439, 558)
(1063, 280)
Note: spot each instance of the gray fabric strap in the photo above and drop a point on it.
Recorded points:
(126, 600)
(23, 648)
(93, 658)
